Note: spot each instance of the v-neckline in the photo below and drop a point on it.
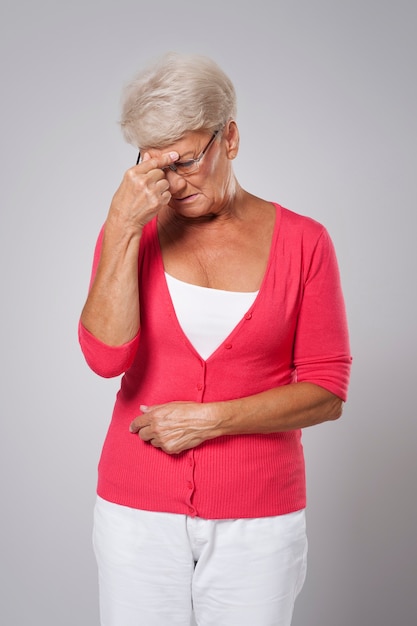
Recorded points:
(248, 315)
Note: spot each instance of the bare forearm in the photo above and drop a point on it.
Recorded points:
(178, 426)
(290, 407)
(111, 312)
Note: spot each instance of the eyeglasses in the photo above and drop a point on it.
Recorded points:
(185, 168)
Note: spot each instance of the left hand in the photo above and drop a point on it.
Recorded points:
(176, 426)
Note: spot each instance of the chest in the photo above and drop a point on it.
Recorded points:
(233, 260)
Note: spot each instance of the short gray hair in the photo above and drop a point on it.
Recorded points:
(177, 94)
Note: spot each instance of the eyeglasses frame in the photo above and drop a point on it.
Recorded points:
(173, 167)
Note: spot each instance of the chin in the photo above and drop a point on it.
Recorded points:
(191, 209)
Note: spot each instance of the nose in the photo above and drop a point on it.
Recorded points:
(176, 181)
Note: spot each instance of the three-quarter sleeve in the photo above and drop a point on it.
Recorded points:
(321, 350)
(104, 360)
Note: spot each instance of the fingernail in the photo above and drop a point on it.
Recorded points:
(174, 155)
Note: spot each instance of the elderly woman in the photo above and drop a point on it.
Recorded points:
(225, 315)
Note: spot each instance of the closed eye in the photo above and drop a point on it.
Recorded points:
(185, 164)
(186, 167)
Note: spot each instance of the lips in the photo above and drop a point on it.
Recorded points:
(185, 198)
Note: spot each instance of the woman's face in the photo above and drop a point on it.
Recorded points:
(210, 189)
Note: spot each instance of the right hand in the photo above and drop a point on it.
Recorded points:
(143, 192)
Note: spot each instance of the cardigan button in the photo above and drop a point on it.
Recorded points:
(227, 346)
(248, 316)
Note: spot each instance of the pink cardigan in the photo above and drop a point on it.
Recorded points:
(294, 331)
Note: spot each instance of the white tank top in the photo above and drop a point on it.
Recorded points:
(207, 316)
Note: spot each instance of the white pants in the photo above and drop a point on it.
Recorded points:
(157, 569)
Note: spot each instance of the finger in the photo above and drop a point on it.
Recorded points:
(135, 427)
(137, 424)
(149, 163)
(161, 186)
(145, 434)
(140, 421)
(143, 431)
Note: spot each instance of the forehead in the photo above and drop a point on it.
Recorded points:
(190, 143)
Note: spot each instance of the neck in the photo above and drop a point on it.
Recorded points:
(231, 207)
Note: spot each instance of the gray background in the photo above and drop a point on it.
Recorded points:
(327, 113)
